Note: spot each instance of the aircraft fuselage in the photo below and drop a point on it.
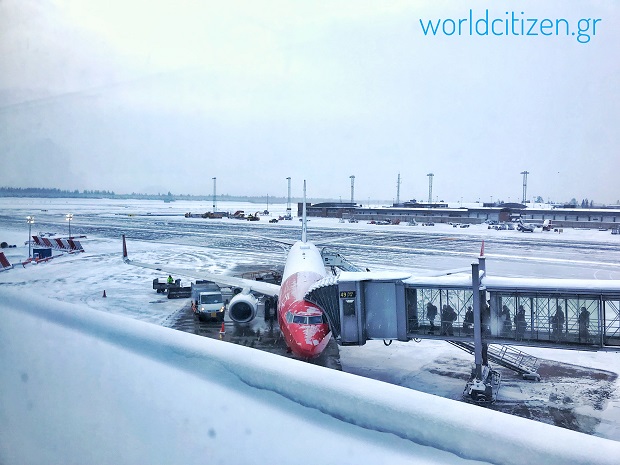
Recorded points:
(303, 325)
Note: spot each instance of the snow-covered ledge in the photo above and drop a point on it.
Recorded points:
(83, 386)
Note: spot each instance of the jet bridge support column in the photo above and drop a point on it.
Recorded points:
(484, 382)
(475, 284)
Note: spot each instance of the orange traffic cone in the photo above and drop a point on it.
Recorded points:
(222, 331)
(104, 293)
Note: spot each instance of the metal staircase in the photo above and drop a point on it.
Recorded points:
(507, 356)
(335, 260)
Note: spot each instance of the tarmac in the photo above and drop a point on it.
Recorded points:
(258, 334)
(569, 396)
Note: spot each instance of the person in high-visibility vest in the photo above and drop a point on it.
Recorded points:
(170, 280)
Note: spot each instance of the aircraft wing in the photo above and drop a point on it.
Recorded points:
(259, 287)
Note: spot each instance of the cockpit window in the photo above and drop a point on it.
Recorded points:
(305, 320)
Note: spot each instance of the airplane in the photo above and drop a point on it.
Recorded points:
(303, 325)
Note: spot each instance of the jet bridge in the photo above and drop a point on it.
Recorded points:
(558, 313)
(474, 311)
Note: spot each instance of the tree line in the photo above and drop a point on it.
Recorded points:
(45, 192)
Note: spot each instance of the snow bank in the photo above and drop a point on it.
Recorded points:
(82, 386)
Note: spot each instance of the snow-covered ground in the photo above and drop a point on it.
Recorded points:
(158, 233)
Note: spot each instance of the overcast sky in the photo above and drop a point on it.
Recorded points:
(157, 96)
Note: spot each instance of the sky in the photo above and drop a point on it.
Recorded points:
(158, 96)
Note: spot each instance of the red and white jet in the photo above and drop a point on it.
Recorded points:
(302, 323)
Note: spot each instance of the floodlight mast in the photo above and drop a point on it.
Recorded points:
(352, 188)
(30, 221)
(214, 195)
(69, 217)
(288, 202)
(524, 173)
(430, 188)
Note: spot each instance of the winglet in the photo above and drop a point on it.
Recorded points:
(125, 257)
(304, 221)
(482, 249)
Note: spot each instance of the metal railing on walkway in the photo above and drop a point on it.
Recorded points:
(506, 356)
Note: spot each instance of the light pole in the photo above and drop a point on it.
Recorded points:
(524, 173)
(30, 221)
(430, 189)
(288, 200)
(214, 195)
(69, 217)
(352, 188)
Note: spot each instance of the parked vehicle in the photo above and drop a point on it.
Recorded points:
(161, 285)
(207, 301)
(525, 227)
(173, 289)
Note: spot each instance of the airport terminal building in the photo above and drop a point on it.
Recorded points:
(559, 216)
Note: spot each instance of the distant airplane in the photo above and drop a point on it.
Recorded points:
(303, 325)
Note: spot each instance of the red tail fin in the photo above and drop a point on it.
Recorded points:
(124, 248)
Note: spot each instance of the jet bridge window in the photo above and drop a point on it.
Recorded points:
(612, 322)
(542, 317)
(437, 311)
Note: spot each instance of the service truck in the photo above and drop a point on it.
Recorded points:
(207, 301)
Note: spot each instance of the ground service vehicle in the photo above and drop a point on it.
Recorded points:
(161, 285)
(207, 301)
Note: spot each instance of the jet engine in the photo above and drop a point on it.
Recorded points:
(242, 308)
